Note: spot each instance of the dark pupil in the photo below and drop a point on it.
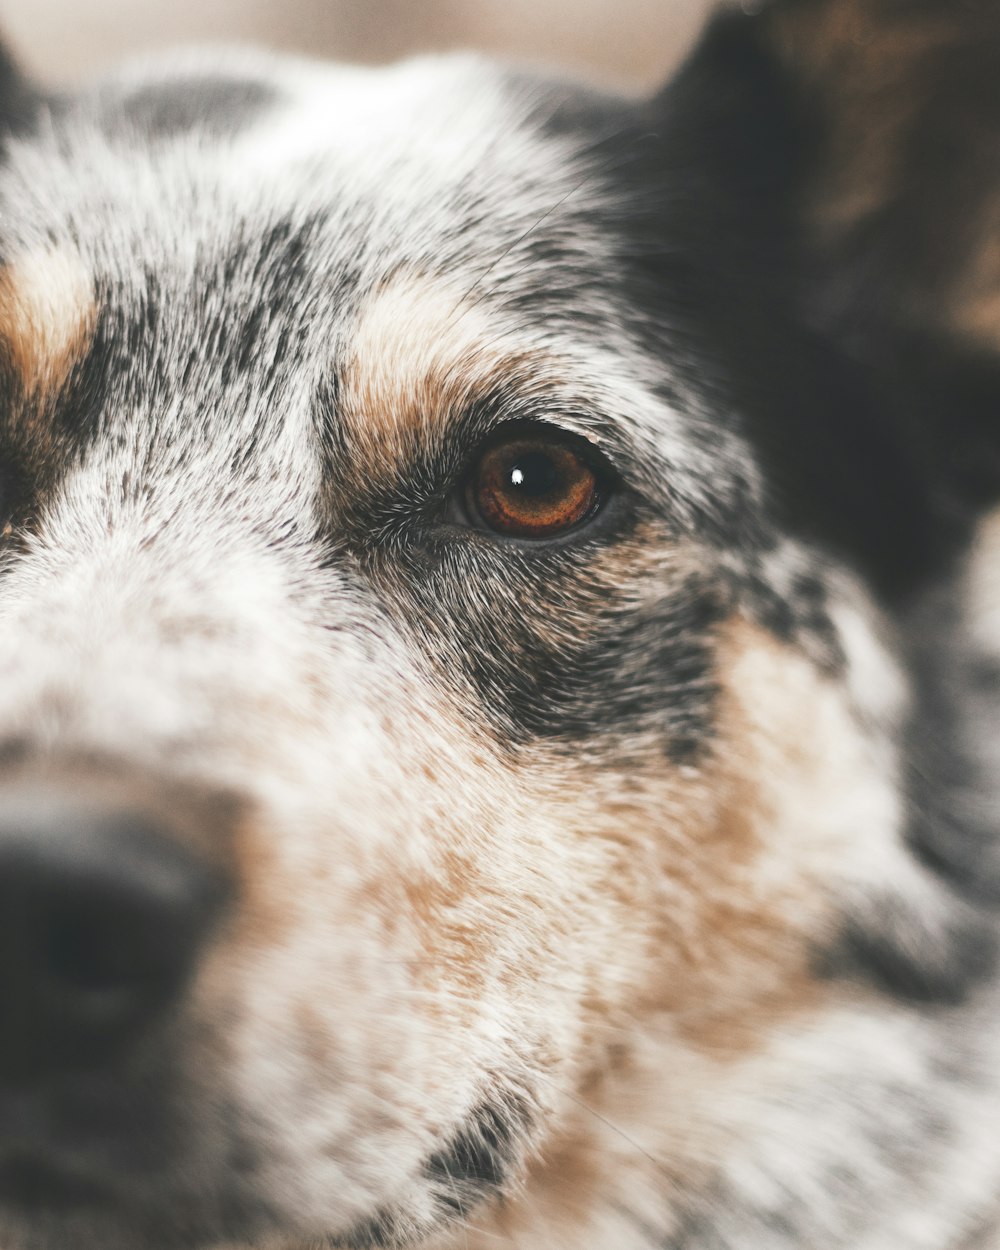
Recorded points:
(533, 475)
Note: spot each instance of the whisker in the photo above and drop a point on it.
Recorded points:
(620, 1132)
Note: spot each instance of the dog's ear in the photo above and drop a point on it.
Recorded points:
(850, 154)
(899, 161)
(19, 98)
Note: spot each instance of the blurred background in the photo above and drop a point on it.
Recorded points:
(630, 43)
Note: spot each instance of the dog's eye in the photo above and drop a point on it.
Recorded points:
(533, 485)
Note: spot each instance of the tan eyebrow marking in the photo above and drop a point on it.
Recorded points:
(419, 352)
(47, 313)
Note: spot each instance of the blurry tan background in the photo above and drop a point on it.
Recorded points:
(626, 42)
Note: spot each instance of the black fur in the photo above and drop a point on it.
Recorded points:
(216, 107)
(478, 1160)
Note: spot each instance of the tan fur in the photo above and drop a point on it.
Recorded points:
(975, 302)
(47, 315)
(420, 352)
(746, 843)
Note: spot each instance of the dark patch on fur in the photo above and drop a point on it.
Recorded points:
(799, 617)
(478, 1160)
(543, 670)
(36, 449)
(142, 344)
(376, 1233)
(953, 823)
(472, 1166)
(20, 101)
(890, 948)
(277, 263)
(19, 477)
(217, 107)
(631, 670)
(651, 668)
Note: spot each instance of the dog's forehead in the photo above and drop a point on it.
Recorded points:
(223, 215)
(437, 161)
(234, 253)
(225, 250)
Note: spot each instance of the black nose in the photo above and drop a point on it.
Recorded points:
(102, 916)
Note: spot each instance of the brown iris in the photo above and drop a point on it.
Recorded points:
(533, 486)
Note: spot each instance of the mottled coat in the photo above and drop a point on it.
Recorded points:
(628, 888)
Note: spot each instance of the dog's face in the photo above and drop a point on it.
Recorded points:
(441, 687)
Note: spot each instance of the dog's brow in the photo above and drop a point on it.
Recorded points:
(418, 354)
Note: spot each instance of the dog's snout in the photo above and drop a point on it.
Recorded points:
(102, 916)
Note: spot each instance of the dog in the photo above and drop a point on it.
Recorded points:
(500, 649)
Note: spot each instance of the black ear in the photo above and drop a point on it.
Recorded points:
(848, 168)
(19, 99)
(899, 187)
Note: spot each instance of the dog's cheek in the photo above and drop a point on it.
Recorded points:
(729, 867)
(751, 871)
(715, 885)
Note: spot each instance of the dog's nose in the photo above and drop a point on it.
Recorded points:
(102, 915)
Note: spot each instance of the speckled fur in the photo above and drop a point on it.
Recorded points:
(629, 891)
